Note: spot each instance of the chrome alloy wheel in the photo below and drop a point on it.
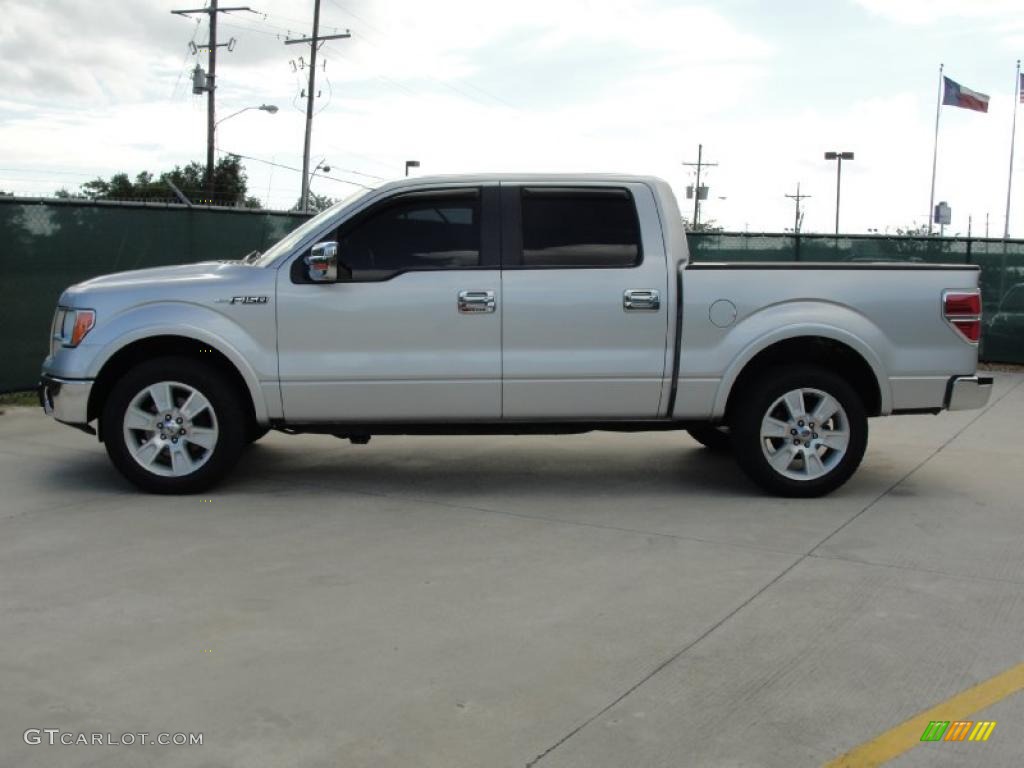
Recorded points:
(805, 434)
(170, 429)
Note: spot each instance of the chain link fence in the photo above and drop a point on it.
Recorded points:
(47, 245)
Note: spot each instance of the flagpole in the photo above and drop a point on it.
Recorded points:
(935, 153)
(1013, 138)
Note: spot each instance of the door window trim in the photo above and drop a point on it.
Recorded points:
(489, 227)
(512, 224)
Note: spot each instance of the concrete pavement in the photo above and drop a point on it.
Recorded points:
(593, 600)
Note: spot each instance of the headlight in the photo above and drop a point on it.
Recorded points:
(70, 326)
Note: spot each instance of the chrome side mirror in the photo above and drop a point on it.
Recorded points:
(322, 262)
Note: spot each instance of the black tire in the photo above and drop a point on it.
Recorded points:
(226, 412)
(751, 450)
(255, 432)
(716, 439)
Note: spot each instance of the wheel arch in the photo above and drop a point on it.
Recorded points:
(164, 345)
(832, 349)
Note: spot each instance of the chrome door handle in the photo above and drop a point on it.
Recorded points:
(637, 299)
(473, 302)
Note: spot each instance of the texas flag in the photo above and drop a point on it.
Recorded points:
(956, 95)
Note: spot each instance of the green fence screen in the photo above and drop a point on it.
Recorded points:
(46, 245)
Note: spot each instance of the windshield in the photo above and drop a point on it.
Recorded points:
(297, 235)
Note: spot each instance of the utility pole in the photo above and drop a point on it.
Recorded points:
(797, 197)
(211, 79)
(696, 189)
(314, 44)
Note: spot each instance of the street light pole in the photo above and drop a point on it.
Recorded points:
(411, 164)
(838, 157)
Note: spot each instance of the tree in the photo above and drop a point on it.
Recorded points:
(317, 203)
(913, 230)
(230, 184)
(705, 226)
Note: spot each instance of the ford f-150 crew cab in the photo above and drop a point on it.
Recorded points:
(509, 304)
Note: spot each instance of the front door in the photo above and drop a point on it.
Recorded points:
(415, 334)
(585, 302)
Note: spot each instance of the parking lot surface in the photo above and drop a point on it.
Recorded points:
(594, 600)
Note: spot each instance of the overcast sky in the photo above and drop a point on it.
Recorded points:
(93, 88)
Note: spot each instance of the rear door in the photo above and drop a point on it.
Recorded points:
(585, 297)
(415, 334)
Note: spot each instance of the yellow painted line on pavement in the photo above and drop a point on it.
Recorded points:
(907, 734)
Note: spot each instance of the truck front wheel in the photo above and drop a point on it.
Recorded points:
(799, 431)
(714, 438)
(174, 425)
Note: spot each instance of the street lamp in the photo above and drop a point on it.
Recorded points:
(838, 157)
(321, 166)
(411, 164)
(271, 108)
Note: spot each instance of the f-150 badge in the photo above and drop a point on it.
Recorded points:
(244, 300)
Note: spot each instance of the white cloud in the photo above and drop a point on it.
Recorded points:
(627, 86)
(930, 11)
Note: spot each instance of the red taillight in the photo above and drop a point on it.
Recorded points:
(962, 310)
(963, 304)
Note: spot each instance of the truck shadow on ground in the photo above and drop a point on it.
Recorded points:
(556, 471)
(436, 470)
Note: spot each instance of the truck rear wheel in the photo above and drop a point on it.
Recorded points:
(174, 425)
(799, 431)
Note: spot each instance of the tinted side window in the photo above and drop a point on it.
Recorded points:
(414, 232)
(580, 228)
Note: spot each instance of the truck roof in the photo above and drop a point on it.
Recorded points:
(576, 178)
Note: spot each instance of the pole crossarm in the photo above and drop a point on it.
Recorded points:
(186, 12)
(317, 39)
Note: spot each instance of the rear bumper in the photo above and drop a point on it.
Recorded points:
(965, 393)
(67, 400)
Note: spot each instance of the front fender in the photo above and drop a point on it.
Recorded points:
(250, 349)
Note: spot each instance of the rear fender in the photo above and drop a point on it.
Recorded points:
(793, 320)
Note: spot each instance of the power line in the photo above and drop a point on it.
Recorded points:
(382, 33)
(299, 170)
(184, 61)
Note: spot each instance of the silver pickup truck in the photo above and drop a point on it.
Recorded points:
(509, 304)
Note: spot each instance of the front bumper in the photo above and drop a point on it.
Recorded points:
(965, 393)
(67, 400)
